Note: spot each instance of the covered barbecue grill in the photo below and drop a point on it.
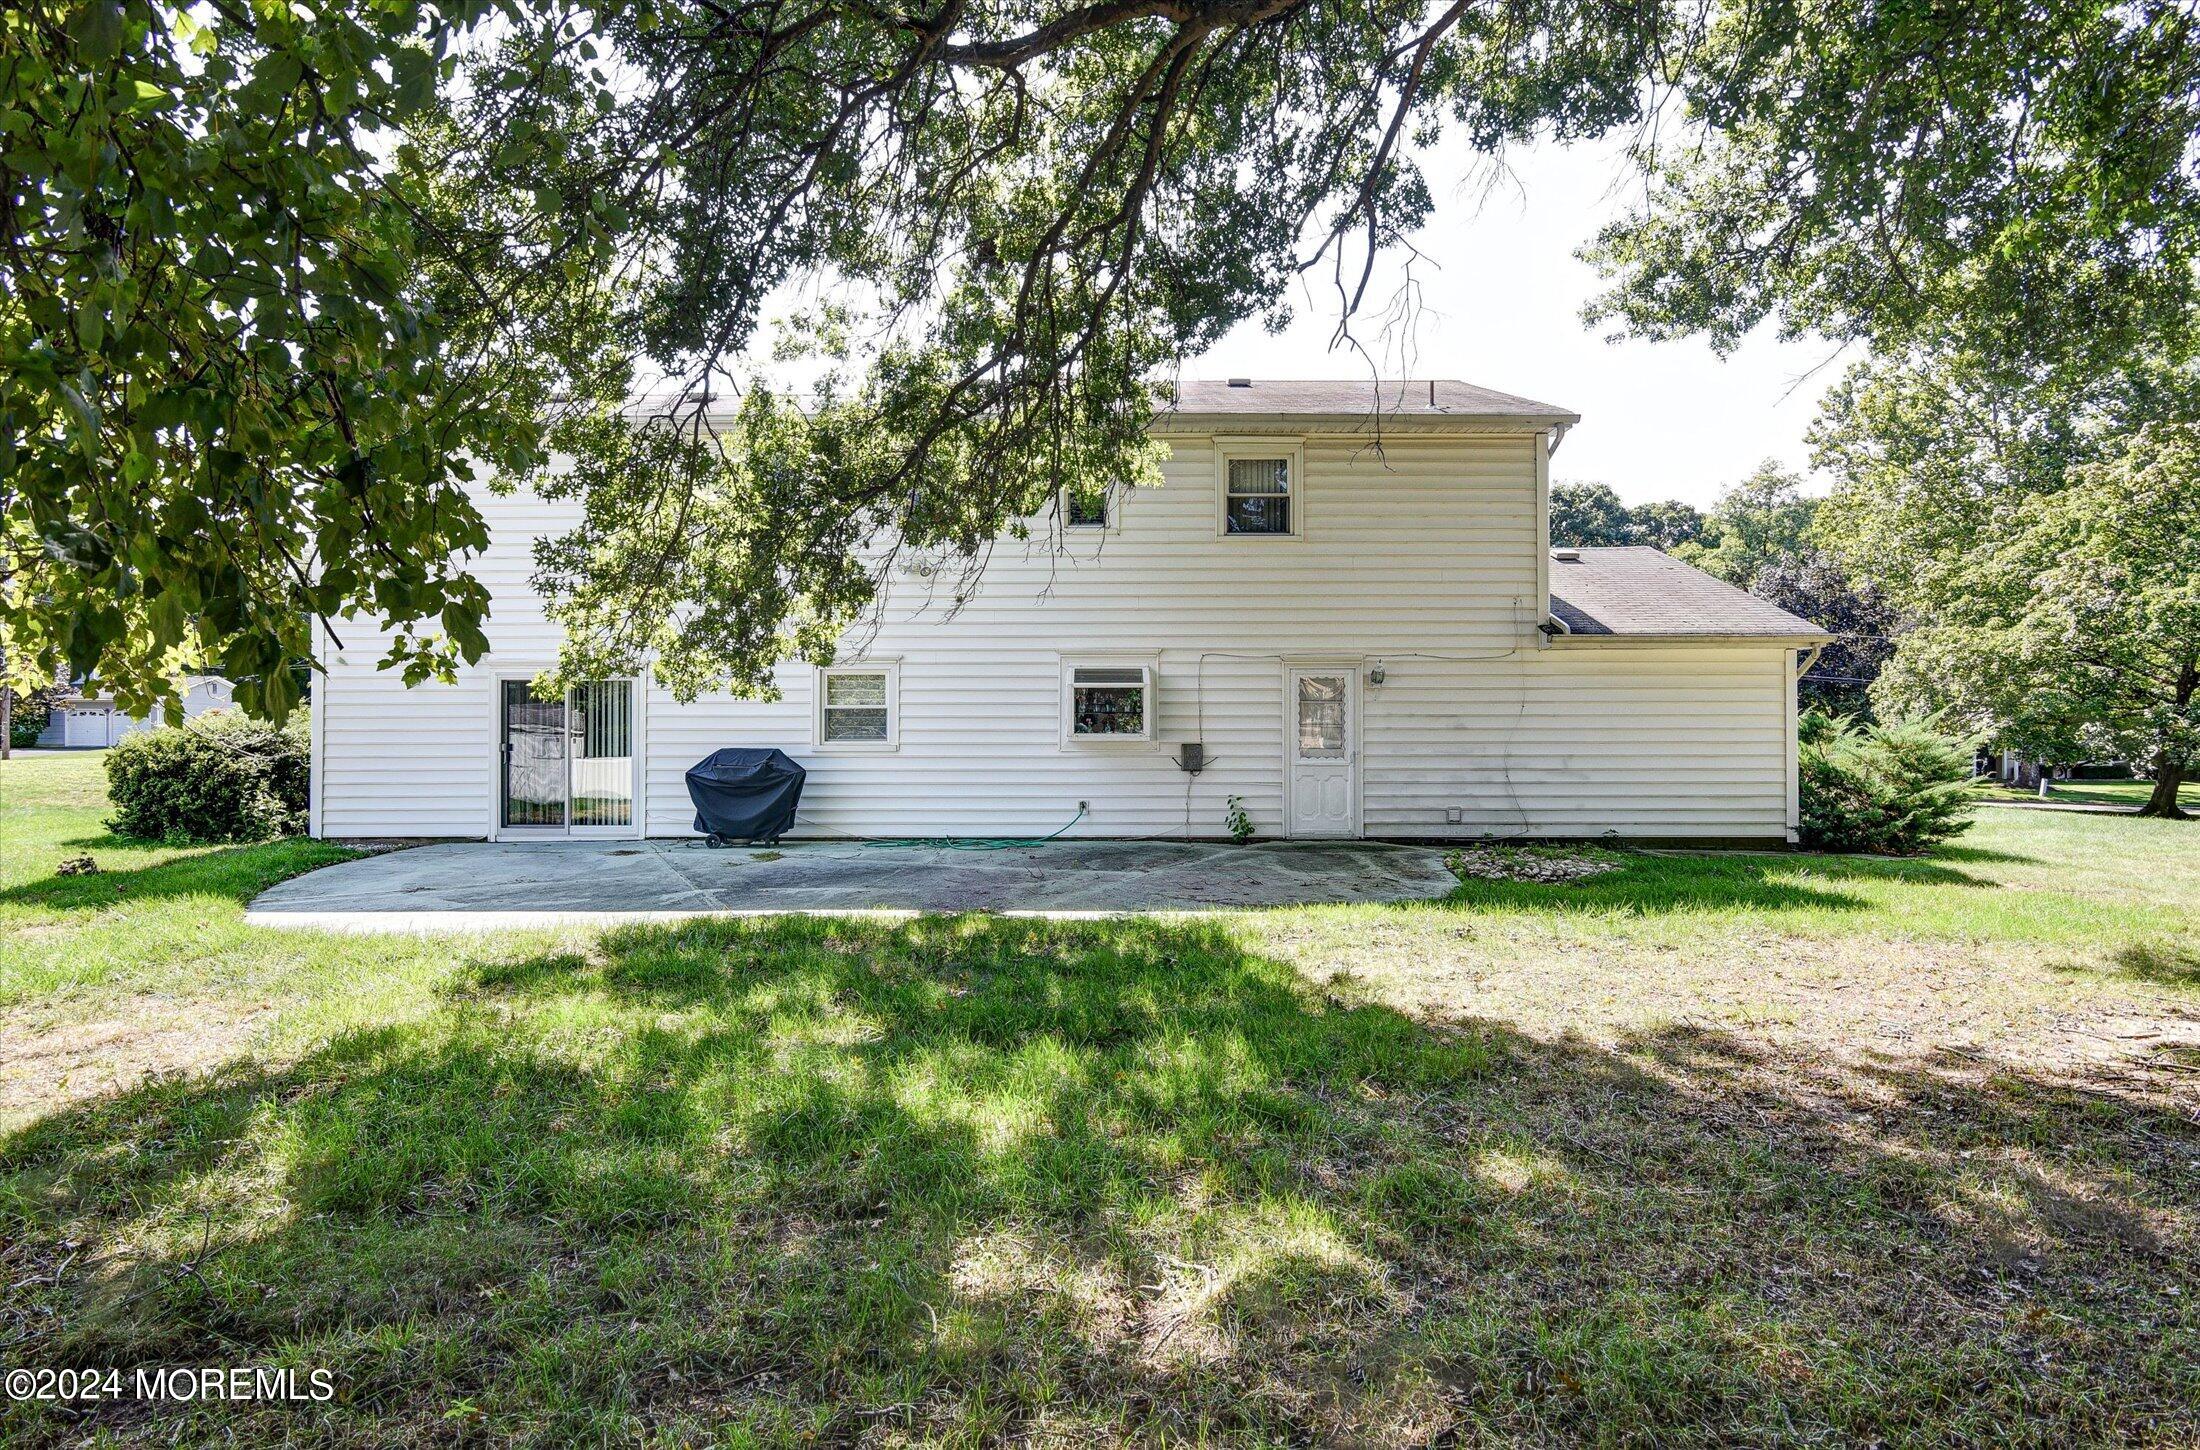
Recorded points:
(744, 795)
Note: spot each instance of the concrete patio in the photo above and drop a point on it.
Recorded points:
(481, 885)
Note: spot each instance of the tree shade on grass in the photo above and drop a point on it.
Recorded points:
(1221, 1178)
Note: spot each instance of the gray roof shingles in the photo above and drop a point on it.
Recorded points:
(1642, 591)
(1392, 398)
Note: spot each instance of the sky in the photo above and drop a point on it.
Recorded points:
(1502, 293)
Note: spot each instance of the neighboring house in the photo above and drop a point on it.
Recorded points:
(86, 719)
(1357, 621)
(2014, 768)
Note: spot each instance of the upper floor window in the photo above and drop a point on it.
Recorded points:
(1261, 489)
(1085, 506)
(857, 709)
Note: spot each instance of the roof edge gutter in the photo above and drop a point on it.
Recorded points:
(1812, 642)
(1356, 424)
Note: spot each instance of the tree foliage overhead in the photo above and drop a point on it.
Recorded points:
(2020, 170)
(1024, 216)
(234, 395)
(308, 271)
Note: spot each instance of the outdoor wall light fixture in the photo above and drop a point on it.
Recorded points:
(1377, 674)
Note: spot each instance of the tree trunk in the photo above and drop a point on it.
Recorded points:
(2169, 770)
(2168, 776)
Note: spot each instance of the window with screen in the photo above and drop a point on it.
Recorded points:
(856, 708)
(1108, 702)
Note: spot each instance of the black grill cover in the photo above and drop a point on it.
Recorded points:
(745, 795)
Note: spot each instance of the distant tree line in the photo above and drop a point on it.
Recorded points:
(2017, 555)
(1758, 536)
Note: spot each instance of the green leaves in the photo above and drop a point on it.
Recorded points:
(96, 27)
(2019, 171)
(229, 402)
(287, 279)
(2050, 540)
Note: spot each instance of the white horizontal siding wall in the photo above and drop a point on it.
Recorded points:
(1423, 555)
(1633, 741)
(392, 761)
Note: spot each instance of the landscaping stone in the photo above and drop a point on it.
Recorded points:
(1544, 865)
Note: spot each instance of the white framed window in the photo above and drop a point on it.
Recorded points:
(1107, 701)
(1261, 488)
(859, 707)
(1088, 506)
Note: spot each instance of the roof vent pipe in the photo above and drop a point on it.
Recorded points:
(1432, 392)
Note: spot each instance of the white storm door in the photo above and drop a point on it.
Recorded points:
(1323, 748)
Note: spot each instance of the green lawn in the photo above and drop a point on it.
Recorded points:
(1710, 1149)
(2132, 793)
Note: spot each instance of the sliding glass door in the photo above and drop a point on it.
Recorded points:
(568, 764)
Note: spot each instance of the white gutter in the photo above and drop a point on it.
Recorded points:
(1812, 642)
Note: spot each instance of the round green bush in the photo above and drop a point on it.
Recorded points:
(27, 721)
(220, 777)
(1891, 790)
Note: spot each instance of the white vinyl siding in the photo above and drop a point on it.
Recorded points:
(1422, 555)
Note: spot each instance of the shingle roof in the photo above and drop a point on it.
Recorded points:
(1643, 591)
(1410, 398)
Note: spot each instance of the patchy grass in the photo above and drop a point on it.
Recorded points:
(1705, 1149)
(148, 966)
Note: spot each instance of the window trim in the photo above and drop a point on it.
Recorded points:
(891, 669)
(1148, 665)
(1292, 450)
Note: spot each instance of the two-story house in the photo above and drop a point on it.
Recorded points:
(1347, 620)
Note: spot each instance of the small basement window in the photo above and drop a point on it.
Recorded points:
(857, 707)
(1261, 484)
(1107, 702)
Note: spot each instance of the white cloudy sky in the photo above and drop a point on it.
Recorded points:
(1503, 293)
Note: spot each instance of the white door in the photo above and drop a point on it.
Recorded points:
(1324, 741)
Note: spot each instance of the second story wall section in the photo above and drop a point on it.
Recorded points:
(1420, 542)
